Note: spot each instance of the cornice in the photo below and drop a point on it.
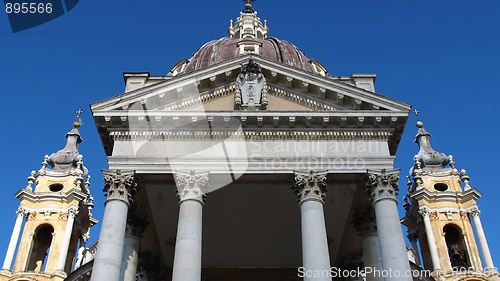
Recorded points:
(446, 196)
(64, 197)
(225, 68)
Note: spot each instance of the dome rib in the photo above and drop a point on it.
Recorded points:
(226, 48)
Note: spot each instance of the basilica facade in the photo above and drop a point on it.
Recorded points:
(249, 161)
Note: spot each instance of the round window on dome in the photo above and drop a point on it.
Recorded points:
(441, 186)
(56, 187)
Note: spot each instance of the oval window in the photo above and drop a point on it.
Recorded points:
(441, 186)
(56, 187)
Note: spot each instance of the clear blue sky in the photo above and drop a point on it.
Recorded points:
(440, 56)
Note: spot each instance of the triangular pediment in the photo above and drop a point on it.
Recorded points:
(297, 100)
(289, 89)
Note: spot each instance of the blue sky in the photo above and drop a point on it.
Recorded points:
(440, 56)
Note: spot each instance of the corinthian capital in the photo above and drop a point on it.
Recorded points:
(424, 211)
(137, 221)
(119, 185)
(191, 185)
(21, 212)
(310, 186)
(382, 184)
(364, 221)
(474, 212)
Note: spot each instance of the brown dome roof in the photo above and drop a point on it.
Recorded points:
(227, 48)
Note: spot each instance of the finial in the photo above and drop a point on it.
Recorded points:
(78, 122)
(248, 5)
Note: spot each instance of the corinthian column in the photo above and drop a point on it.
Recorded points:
(119, 187)
(63, 254)
(425, 212)
(382, 187)
(187, 257)
(14, 238)
(365, 223)
(136, 225)
(488, 261)
(310, 189)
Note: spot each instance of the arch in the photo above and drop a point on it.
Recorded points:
(457, 250)
(42, 240)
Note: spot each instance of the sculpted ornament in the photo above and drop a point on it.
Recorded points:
(310, 186)
(251, 88)
(191, 185)
(382, 184)
(474, 212)
(424, 211)
(119, 185)
(21, 212)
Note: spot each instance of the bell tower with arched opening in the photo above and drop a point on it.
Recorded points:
(54, 217)
(443, 216)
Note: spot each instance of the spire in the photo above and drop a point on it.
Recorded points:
(427, 159)
(248, 25)
(69, 158)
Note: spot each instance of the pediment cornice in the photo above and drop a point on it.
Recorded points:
(321, 89)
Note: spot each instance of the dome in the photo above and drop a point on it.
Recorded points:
(228, 48)
(248, 35)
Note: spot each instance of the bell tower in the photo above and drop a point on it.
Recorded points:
(55, 209)
(442, 213)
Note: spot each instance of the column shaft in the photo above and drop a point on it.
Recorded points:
(119, 187)
(63, 254)
(432, 242)
(108, 258)
(130, 258)
(315, 255)
(371, 256)
(9, 256)
(383, 189)
(392, 244)
(187, 257)
(488, 261)
(310, 189)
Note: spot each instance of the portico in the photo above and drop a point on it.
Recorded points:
(278, 153)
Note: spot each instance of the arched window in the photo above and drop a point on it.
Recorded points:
(457, 251)
(40, 249)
